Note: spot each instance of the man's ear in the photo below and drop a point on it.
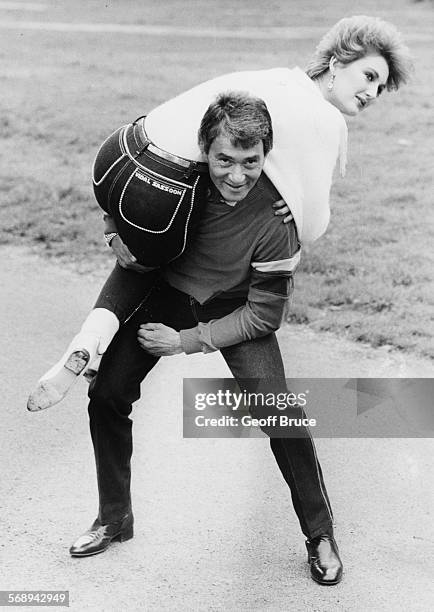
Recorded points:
(202, 149)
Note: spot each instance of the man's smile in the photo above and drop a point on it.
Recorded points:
(235, 187)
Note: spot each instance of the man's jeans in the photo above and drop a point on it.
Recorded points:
(117, 386)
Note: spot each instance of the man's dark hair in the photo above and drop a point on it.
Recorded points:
(244, 118)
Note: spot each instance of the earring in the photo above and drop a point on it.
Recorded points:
(331, 82)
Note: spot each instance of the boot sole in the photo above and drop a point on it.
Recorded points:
(77, 361)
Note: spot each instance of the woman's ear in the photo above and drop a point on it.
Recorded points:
(332, 64)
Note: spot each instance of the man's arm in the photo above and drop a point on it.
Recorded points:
(262, 313)
(271, 283)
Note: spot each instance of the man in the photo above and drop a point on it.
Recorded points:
(227, 292)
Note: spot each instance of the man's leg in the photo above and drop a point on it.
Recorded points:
(260, 359)
(112, 393)
(257, 366)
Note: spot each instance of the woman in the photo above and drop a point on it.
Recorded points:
(158, 160)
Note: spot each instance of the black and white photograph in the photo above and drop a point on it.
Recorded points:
(217, 311)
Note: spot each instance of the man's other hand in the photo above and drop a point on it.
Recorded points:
(281, 208)
(159, 340)
(125, 258)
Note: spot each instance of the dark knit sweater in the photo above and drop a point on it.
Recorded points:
(239, 250)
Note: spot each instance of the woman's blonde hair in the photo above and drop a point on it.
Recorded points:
(352, 38)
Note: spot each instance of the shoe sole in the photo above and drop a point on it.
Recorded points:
(51, 391)
(123, 536)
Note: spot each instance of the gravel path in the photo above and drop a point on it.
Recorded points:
(215, 529)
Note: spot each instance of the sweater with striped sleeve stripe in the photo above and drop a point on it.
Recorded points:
(238, 251)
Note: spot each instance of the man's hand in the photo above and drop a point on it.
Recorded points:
(125, 258)
(282, 208)
(159, 340)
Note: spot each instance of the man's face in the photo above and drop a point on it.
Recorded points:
(234, 170)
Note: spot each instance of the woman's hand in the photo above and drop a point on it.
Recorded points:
(125, 258)
(282, 208)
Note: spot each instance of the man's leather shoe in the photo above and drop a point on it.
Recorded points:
(323, 556)
(99, 537)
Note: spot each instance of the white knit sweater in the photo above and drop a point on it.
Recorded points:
(309, 136)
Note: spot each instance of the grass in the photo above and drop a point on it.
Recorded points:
(369, 278)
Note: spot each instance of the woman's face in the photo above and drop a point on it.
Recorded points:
(358, 84)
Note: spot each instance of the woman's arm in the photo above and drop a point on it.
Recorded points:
(123, 254)
(282, 208)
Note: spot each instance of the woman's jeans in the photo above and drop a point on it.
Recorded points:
(117, 386)
(124, 291)
(155, 200)
(154, 197)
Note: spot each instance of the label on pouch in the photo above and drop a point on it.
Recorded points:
(157, 184)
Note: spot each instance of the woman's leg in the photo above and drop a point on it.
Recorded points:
(123, 187)
(121, 295)
(124, 291)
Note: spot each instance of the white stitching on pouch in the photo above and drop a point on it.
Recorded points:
(188, 219)
(113, 164)
(144, 228)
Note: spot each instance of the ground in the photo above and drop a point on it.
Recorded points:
(215, 529)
